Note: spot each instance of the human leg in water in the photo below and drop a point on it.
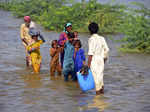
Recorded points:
(27, 61)
(58, 68)
(52, 69)
(66, 75)
(73, 76)
(101, 91)
(62, 58)
(28, 58)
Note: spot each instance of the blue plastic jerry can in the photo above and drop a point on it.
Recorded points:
(86, 82)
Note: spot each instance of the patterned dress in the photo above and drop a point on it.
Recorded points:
(35, 55)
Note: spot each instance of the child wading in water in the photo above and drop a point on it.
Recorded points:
(97, 55)
(79, 57)
(54, 63)
(34, 50)
(68, 64)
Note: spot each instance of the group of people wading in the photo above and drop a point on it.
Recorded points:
(67, 55)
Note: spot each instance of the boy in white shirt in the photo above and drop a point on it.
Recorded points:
(97, 55)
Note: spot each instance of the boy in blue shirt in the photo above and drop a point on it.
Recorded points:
(79, 57)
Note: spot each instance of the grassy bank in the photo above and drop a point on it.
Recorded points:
(53, 14)
(136, 28)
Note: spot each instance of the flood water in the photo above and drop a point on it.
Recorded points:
(127, 79)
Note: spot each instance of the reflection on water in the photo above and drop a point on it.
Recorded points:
(32, 81)
(126, 79)
(99, 103)
(96, 104)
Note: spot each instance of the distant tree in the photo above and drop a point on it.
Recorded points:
(93, 1)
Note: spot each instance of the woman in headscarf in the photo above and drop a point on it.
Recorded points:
(62, 39)
(25, 37)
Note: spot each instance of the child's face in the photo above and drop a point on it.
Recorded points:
(55, 45)
(77, 45)
(69, 28)
(76, 34)
(35, 38)
(27, 23)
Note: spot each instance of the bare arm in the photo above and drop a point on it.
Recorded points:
(41, 37)
(52, 52)
(89, 60)
(24, 41)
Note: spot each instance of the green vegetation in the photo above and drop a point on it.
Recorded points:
(136, 28)
(53, 14)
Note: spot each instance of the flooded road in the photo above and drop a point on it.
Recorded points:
(127, 79)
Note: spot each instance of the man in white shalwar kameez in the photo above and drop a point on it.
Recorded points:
(97, 55)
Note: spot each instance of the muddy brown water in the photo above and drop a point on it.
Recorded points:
(127, 79)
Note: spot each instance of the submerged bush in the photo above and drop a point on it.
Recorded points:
(136, 28)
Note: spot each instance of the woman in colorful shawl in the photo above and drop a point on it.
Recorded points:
(62, 40)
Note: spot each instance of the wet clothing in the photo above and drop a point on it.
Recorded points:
(35, 55)
(78, 59)
(54, 63)
(99, 50)
(62, 39)
(68, 64)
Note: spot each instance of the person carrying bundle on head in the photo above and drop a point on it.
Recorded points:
(34, 49)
